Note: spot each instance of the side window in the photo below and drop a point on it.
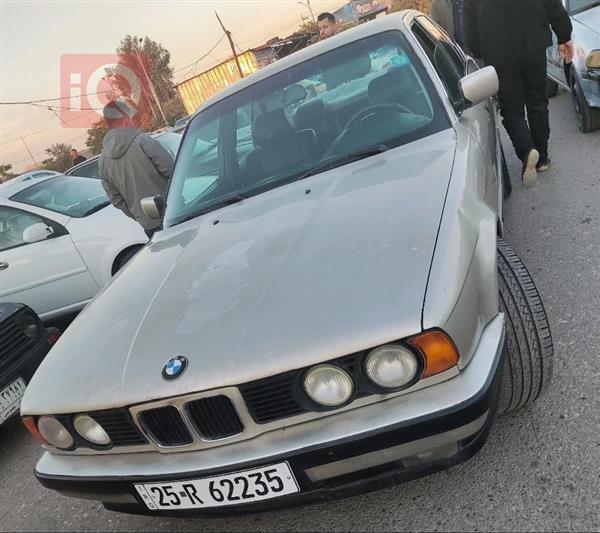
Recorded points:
(445, 57)
(89, 170)
(13, 222)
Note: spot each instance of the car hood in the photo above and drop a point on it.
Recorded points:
(590, 18)
(307, 272)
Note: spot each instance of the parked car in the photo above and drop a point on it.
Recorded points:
(32, 175)
(60, 242)
(332, 312)
(89, 168)
(582, 77)
(24, 342)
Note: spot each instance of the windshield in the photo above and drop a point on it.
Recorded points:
(370, 93)
(575, 6)
(69, 196)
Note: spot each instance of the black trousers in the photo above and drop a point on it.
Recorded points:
(523, 87)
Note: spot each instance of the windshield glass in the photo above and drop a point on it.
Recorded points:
(580, 5)
(69, 196)
(370, 93)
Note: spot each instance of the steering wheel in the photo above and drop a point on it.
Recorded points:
(376, 108)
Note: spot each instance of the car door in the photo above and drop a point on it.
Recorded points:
(451, 65)
(49, 275)
(553, 61)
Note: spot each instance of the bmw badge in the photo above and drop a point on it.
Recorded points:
(174, 367)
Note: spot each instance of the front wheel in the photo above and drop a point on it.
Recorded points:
(588, 118)
(527, 370)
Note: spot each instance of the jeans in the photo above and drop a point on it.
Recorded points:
(523, 87)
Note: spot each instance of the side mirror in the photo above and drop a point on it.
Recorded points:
(153, 206)
(37, 232)
(480, 85)
(592, 61)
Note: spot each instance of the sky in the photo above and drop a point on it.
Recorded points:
(35, 34)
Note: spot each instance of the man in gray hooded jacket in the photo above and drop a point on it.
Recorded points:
(132, 166)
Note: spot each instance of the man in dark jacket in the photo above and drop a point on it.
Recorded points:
(132, 166)
(447, 13)
(512, 36)
(76, 157)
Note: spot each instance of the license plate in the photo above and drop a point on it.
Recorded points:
(10, 399)
(230, 489)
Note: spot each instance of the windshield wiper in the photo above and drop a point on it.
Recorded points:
(229, 200)
(96, 208)
(344, 160)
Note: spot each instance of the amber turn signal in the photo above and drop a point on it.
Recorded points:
(438, 349)
(31, 426)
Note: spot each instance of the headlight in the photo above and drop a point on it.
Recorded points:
(90, 430)
(391, 366)
(29, 325)
(55, 433)
(328, 385)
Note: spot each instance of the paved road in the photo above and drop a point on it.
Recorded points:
(541, 467)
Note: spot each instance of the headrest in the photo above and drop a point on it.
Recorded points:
(269, 126)
(357, 67)
(388, 88)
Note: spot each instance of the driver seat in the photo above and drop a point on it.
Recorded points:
(279, 147)
(396, 87)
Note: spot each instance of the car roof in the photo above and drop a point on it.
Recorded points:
(395, 21)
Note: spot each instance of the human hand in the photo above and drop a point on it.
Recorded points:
(566, 51)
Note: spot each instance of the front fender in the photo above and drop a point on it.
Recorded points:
(462, 292)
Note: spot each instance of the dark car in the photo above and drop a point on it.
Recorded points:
(582, 77)
(24, 342)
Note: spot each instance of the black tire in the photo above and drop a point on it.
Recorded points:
(506, 182)
(588, 118)
(124, 257)
(551, 88)
(528, 366)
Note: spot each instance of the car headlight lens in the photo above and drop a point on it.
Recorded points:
(90, 430)
(55, 433)
(328, 385)
(391, 366)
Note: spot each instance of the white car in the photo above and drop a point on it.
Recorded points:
(60, 242)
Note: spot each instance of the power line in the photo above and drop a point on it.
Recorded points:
(204, 56)
(53, 99)
(44, 129)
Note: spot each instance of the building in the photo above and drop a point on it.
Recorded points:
(199, 88)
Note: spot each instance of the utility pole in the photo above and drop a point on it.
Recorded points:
(229, 38)
(30, 154)
(307, 4)
(151, 87)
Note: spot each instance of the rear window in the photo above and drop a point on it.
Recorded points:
(71, 196)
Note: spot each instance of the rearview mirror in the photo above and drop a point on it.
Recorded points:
(153, 206)
(480, 85)
(37, 232)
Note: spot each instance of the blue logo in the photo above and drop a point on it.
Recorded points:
(174, 367)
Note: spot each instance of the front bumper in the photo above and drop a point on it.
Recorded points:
(355, 451)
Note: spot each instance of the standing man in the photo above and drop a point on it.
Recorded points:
(512, 36)
(132, 166)
(76, 158)
(327, 25)
(447, 13)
